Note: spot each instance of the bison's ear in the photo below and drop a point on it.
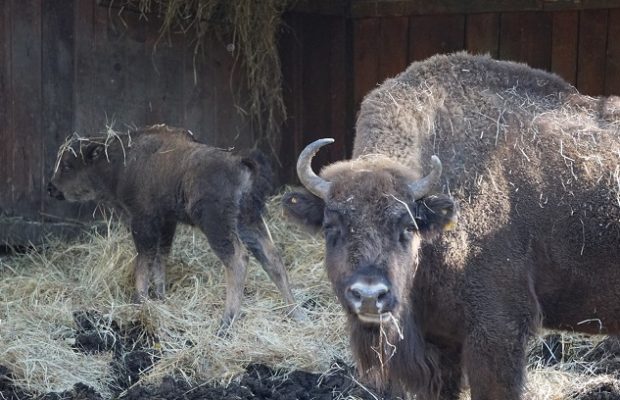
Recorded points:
(94, 152)
(304, 208)
(435, 214)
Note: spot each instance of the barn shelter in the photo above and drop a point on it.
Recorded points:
(81, 65)
(67, 325)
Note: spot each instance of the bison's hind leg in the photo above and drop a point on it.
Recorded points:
(219, 225)
(255, 237)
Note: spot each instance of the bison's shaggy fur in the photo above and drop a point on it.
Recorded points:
(159, 176)
(535, 169)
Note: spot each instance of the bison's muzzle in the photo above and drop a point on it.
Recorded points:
(54, 192)
(370, 298)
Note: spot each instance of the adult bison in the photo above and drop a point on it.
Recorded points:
(159, 176)
(534, 168)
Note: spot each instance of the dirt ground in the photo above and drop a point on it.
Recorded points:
(135, 352)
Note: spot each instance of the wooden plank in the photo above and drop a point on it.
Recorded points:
(382, 8)
(526, 37)
(564, 45)
(612, 67)
(435, 34)
(592, 47)
(164, 75)
(394, 46)
(316, 88)
(580, 5)
(391, 8)
(342, 115)
(482, 34)
(27, 144)
(536, 39)
(57, 97)
(84, 83)
(290, 48)
(366, 33)
(7, 135)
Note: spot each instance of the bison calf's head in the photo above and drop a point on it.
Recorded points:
(76, 176)
(374, 214)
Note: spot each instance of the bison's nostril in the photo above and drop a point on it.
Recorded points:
(355, 294)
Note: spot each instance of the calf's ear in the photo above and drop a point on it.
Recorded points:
(435, 214)
(304, 208)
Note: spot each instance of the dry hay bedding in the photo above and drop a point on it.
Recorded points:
(68, 330)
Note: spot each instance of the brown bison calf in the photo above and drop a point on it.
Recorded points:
(535, 170)
(159, 176)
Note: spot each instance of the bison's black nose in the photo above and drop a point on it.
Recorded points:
(370, 299)
(54, 192)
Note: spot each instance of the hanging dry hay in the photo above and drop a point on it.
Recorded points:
(40, 291)
(252, 26)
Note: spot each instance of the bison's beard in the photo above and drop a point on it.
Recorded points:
(392, 356)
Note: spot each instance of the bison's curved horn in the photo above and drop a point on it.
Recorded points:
(423, 186)
(311, 181)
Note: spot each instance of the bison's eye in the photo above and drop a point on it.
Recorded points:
(407, 233)
(65, 166)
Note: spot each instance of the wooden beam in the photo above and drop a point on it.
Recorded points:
(395, 8)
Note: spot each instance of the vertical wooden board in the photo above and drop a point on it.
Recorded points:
(482, 33)
(510, 37)
(526, 37)
(393, 46)
(536, 39)
(233, 124)
(435, 34)
(592, 48)
(316, 87)
(6, 109)
(290, 42)
(199, 95)
(57, 97)
(27, 143)
(84, 63)
(564, 44)
(366, 34)
(612, 68)
(119, 70)
(342, 116)
(164, 75)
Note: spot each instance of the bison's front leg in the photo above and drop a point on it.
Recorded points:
(163, 250)
(148, 235)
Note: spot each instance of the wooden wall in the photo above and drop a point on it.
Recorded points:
(334, 53)
(71, 66)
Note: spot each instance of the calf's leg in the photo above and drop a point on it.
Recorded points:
(146, 234)
(158, 268)
(255, 237)
(220, 228)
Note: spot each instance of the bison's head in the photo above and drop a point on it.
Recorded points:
(374, 214)
(75, 177)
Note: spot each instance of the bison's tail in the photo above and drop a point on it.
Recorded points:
(253, 202)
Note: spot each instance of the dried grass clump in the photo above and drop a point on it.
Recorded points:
(252, 27)
(39, 292)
